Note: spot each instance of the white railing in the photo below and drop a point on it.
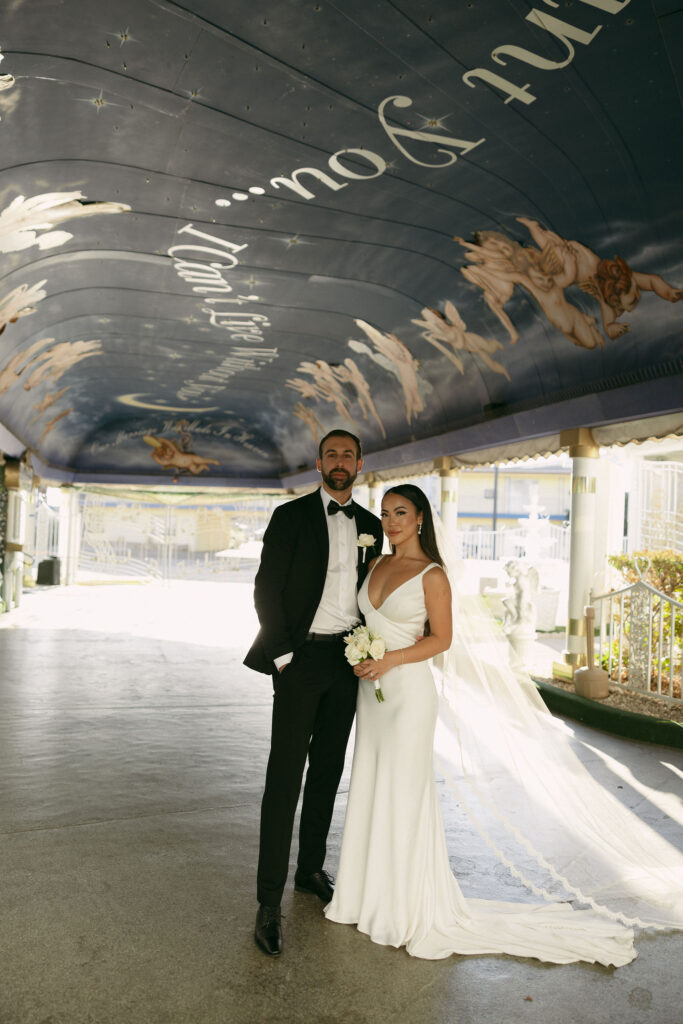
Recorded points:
(549, 541)
(42, 532)
(99, 560)
(147, 539)
(658, 514)
(640, 639)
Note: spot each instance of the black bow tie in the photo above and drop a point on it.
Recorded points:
(334, 507)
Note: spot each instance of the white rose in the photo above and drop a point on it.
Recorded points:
(377, 649)
(353, 655)
(366, 540)
(363, 643)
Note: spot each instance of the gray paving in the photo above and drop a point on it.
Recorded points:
(132, 752)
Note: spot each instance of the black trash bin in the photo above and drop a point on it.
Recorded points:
(49, 571)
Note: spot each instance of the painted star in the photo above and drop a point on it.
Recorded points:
(98, 102)
(293, 240)
(433, 122)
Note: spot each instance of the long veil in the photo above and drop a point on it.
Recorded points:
(552, 822)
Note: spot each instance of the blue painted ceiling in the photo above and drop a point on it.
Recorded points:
(227, 227)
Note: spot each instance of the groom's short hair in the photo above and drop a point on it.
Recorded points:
(340, 433)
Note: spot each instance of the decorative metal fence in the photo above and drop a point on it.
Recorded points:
(545, 541)
(192, 538)
(640, 639)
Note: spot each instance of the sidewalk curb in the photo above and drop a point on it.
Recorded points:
(614, 720)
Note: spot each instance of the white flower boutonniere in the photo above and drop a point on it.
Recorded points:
(365, 541)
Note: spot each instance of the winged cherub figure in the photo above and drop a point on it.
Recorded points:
(499, 263)
(616, 287)
(167, 454)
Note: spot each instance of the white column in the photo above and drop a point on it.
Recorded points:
(42, 519)
(635, 501)
(376, 490)
(361, 494)
(18, 481)
(69, 535)
(75, 536)
(609, 537)
(449, 500)
(583, 451)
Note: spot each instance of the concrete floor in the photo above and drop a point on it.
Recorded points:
(132, 752)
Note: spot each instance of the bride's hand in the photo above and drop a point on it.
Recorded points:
(370, 669)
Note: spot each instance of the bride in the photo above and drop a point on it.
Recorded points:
(394, 881)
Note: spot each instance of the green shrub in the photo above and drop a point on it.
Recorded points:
(665, 572)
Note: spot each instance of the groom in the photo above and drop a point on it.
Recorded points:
(306, 600)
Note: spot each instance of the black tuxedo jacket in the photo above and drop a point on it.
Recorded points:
(291, 577)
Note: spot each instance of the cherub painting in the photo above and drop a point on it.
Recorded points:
(402, 361)
(348, 373)
(448, 332)
(498, 263)
(169, 455)
(178, 455)
(37, 364)
(27, 221)
(309, 417)
(611, 281)
(323, 385)
(17, 303)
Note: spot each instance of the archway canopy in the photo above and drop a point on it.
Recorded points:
(228, 227)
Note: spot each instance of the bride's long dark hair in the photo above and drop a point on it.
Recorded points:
(419, 499)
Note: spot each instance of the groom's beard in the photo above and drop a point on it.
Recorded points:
(339, 482)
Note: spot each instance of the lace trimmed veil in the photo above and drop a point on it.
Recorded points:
(514, 768)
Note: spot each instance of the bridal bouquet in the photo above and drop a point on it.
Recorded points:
(361, 644)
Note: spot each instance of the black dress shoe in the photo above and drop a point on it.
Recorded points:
(268, 931)
(318, 883)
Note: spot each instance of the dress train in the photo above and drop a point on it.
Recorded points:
(394, 880)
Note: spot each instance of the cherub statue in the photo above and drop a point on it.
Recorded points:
(520, 609)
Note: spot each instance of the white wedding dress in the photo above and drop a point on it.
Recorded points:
(394, 880)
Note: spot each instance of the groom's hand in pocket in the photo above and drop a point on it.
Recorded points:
(285, 660)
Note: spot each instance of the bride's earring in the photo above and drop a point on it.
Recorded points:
(419, 529)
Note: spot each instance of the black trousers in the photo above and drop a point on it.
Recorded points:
(313, 707)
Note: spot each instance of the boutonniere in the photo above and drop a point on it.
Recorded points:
(365, 541)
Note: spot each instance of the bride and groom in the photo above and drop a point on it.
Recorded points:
(315, 582)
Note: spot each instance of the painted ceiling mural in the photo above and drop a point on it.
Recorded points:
(227, 227)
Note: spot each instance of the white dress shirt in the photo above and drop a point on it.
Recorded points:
(338, 608)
